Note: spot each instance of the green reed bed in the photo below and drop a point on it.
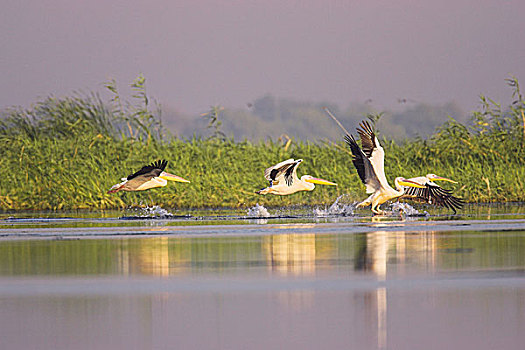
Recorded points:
(65, 153)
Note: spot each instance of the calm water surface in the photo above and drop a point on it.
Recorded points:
(296, 279)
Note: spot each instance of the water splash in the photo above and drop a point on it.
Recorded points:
(399, 208)
(337, 208)
(258, 211)
(155, 211)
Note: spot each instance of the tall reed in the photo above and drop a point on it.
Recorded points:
(65, 153)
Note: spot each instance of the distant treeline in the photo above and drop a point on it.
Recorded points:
(272, 118)
(65, 153)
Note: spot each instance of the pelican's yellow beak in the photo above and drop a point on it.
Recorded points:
(409, 183)
(439, 178)
(170, 177)
(315, 180)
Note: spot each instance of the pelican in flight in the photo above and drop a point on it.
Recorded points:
(432, 193)
(369, 162)
(283, 179)
(150, 176)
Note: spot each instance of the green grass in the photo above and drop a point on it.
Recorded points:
(65, 153)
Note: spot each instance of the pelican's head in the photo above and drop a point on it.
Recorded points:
(404, 182)
(434, 177)
(313, 180)
(170, 177)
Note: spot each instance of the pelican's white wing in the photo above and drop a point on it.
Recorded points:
(364, 167)
(373, 151)
(267, 172)
(284, 171)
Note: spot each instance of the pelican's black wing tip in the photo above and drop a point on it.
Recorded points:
(160, 164)
(154, 167)
(350, 140)
(366, 127)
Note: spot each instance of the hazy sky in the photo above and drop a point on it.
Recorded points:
(198, 53)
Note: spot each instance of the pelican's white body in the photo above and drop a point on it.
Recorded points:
(383, 195)
(375, 179)
(280, 186)
(283, 189)
(158, 181)
(153, 183)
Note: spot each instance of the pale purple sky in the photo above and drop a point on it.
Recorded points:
(199, 53)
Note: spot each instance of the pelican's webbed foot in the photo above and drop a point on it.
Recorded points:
(378, 211)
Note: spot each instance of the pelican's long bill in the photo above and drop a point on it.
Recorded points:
(170, 177)
(405, 182)
(315, 180)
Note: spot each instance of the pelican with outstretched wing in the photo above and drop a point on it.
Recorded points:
(283, 179)
(150, 176)
(432, 193)
(369, 162)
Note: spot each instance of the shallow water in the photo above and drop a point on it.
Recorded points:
(299, 278)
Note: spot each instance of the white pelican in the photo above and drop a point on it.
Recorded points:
(433, 193)
(369, 163)
(150, 176)
(283, 179)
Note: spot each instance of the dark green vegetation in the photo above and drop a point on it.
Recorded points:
(65, 153)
